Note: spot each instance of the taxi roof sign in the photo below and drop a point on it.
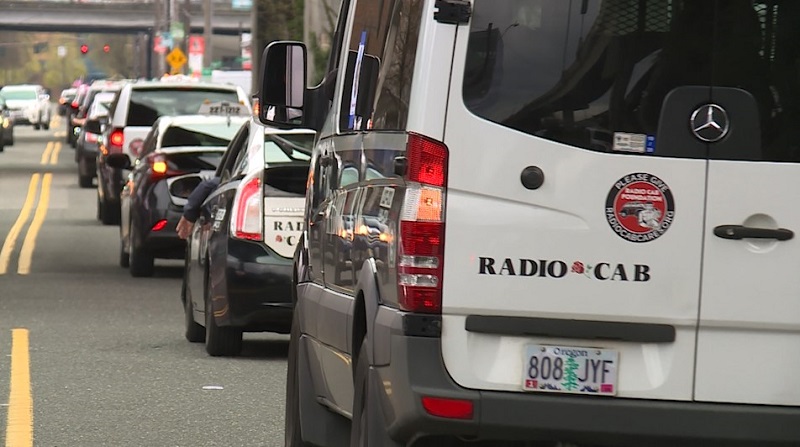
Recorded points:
(223, 108)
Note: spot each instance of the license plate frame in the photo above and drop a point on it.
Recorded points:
(583, 370)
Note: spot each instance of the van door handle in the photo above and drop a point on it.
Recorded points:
(742, 232)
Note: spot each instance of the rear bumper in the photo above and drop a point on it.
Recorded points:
(259, 288)
(415, 369)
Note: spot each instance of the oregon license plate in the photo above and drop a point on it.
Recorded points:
(568, 369)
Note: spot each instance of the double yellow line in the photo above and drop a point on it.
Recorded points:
(19, 425)
(50, 156)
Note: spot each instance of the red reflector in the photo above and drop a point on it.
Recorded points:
(427, 160)
(422, 238)
(160, 225)
(448, 408)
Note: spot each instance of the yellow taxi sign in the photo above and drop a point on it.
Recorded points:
(176, 59)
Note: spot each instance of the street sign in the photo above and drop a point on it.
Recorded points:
(176, 59)
(176, 29)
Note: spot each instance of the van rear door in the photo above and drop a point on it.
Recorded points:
(749, 339)
(572, 240)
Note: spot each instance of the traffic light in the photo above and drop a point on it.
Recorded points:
(106, 48)
(84, 49)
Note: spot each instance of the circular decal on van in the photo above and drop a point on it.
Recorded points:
(640, 208)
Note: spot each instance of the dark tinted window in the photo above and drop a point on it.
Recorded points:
(594, 73)
(380, 62)
(199, 134)
(195, 161)
(148, 104)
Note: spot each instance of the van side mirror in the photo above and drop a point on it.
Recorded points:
(282, 84)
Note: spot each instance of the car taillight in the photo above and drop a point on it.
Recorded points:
(75, 105)
(160, 167)
(247, 220)
(91, 137)
(115, 141)
(420, 255)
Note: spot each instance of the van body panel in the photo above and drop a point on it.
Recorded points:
(749, 338)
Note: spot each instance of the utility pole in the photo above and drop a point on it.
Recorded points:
(158, 28)
(207, 32)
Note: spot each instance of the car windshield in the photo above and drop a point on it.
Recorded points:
(288, 147)
(147, 105)
(15, 94)
(200, 134)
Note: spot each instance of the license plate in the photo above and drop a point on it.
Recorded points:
(568, 369)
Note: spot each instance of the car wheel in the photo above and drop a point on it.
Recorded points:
(292, 418)
(84, 179)
(220, 341)
(46, 125)
(124, 256)
(141, 262)
(367, 428)
(194, 332)
(109, 213)
(36, 127)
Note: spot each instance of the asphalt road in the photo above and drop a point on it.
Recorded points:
(105, 363)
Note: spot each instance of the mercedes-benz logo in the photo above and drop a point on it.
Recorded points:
(710, 123)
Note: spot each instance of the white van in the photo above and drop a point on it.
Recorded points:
(585, 224)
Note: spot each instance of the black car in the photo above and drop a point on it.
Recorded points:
(177, 152)
(6, 126)
(241, 248)
(88, 144)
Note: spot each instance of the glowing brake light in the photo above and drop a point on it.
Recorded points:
(420, 255)
(115, 141)
(248, 214)
(160, 167)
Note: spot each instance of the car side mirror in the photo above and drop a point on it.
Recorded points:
(282, 84)
(118, 161)
(94, 126)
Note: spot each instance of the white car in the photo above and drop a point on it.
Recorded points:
(28, 104)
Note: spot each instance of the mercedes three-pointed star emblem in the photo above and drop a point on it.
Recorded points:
(710, 123)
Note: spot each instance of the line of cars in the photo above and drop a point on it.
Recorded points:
(156, 142)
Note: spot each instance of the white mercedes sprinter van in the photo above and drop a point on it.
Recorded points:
(567, 222)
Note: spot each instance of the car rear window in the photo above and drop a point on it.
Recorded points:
(199, 134)
(147, 105)
(15, 94)
(288, 148)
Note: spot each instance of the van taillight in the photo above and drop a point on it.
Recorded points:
(420, 257)
(115, 141)
(248, 215)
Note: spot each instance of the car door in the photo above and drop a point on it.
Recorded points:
(571, 212)
(748, 345)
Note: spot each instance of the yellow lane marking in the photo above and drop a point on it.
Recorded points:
(46, 155)
(56, 151)
(11, 239)
(26, 252)
(19, 428)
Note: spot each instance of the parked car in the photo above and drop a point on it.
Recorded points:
(133, 113)
(87, 145)
(176, 155)
(29, 105)
(6, 126)
(240, 250)
(587, 233)
(64, 101)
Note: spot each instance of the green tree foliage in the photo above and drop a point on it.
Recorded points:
(570, 382)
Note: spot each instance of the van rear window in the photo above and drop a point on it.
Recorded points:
(608, 75)
(147, 105)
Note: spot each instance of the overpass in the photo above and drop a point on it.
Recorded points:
(112, 16)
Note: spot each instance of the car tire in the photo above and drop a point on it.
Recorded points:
(367, 427)
(124, 257)
(109, 214)
(142, 263)
(36, 127)
(84, 179)
(46, 126)
(220, 340)
(193, 332)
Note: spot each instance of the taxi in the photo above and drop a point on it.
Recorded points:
(175, 156)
